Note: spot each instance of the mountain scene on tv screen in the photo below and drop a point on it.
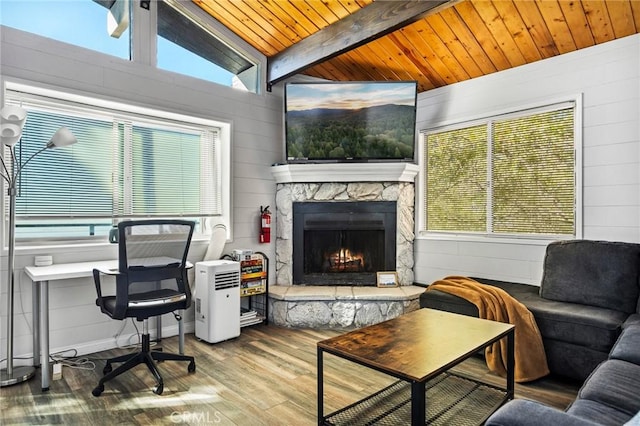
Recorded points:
(383, 131)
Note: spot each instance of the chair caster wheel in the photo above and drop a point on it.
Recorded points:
(107, 369)
(158, 389)
(192, 367)
(97, 391)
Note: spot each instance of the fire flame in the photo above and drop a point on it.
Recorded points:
(344, 260)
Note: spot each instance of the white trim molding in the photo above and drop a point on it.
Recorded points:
(345, 172)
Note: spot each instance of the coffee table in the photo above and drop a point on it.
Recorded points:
(419, 349)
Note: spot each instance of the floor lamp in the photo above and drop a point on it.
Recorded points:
(12, 119)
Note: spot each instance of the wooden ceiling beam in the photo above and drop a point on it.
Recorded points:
(367, 24)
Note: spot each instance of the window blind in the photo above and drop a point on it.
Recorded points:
(123, 166)
(533, 177)
(67, 182)
(509, 175)
(167, 175)
(457, 180)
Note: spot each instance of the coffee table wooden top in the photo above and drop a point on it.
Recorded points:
(416, 346)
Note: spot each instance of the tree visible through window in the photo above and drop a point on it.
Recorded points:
(510, 175)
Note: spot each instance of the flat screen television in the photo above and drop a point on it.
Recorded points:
(350, 121)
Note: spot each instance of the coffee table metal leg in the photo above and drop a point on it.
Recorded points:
(320, 388)
(511, 364)
(418, 403)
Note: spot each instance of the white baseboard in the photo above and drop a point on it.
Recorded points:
(94, 346)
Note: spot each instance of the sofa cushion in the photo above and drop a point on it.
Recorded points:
(522, 292)
(522, 412)
(596, 328)
(627, 348)
(598, 413)
(632, 321)
(442, 301)
(584, 325)
(614, 383)
(596, 273)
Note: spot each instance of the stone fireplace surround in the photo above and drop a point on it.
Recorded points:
(342, 306)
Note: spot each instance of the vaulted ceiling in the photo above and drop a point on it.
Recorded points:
(435, 43)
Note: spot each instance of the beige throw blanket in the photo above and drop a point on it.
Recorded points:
(495, 304)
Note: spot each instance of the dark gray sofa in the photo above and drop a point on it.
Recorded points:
(609, 396)
(587, 309)
(588, 290)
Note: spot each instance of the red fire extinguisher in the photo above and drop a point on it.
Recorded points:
(265, 225)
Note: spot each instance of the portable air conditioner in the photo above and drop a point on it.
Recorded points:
(217, 300)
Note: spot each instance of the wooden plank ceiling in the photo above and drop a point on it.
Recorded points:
(454, 42)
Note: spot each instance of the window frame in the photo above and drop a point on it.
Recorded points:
(421, 231)
(145, 33)
(71, 28)
(223, 159)
(142, 35)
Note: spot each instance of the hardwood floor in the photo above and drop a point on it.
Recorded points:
(267, 376)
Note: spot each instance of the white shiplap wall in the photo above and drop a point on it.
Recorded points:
(256, 140)
(608, 78)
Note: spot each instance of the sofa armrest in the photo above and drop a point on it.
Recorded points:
(522, 412)
(627, 347)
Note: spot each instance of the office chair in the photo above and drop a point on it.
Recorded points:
(151, 280)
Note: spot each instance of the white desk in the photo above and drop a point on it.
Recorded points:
(40, 277)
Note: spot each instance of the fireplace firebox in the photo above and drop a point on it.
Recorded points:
(343, 243)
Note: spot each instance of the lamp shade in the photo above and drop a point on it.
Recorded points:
(14, 115)
(10, 133)
(63, 137)
(12, 120)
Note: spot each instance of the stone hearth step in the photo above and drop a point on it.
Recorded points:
(339, 306)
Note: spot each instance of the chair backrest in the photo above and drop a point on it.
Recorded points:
(153, 243)
(154, 250)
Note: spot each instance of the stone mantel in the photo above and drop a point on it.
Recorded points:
(345, 172)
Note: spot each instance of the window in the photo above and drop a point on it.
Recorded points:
(512, 175)
(81, 23)
(186, 42)
(126, 164)
(187, 47)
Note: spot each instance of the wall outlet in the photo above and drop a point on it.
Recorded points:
(57, 371)
(43, 260)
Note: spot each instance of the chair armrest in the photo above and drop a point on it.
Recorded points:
(96, 277)
(121, 292)
(111, 271)
(522, 412)
(96, 280)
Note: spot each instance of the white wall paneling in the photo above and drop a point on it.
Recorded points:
(608, 77)
(257, 134)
